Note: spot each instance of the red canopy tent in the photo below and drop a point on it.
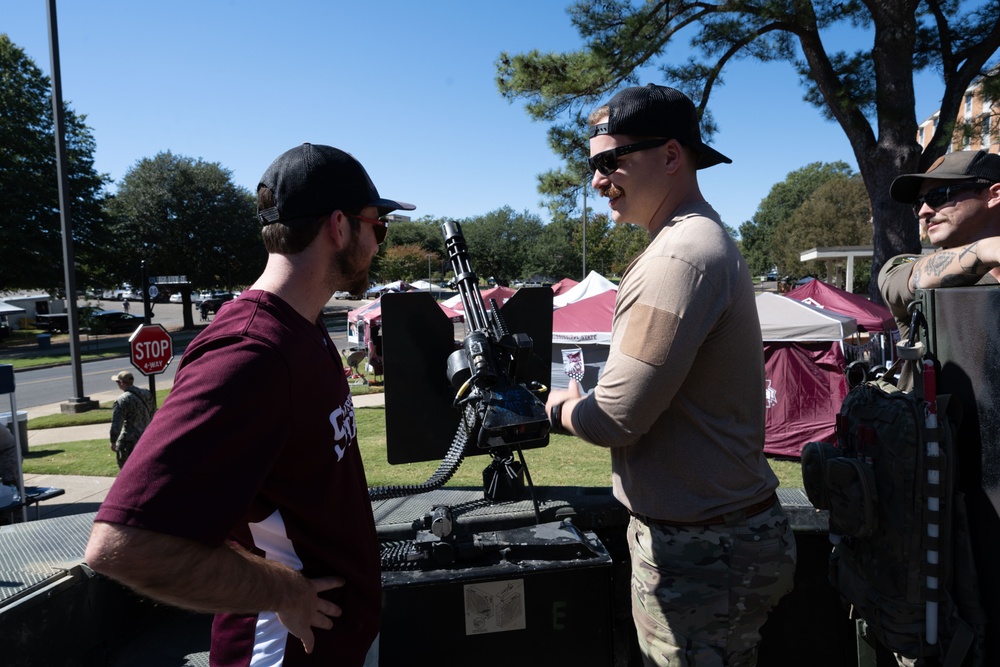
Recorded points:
(805, 388)
(372, 313)
(804, 369)
(870, 316)
(563, 285)
(583, 325)
(500, 293)
(585, 321)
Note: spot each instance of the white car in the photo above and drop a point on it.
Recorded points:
(177, 297)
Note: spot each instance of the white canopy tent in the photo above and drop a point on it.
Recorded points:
(592, 285)
(786, 319)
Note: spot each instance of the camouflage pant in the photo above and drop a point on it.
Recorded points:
(124, 449)
(700, 594)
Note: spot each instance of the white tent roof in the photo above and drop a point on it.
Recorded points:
(782, 318)
(592, 285)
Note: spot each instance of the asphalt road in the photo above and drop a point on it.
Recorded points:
(56, 385)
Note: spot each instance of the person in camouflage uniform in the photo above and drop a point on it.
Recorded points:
(133, 410)
(680, 404)
(8, 457)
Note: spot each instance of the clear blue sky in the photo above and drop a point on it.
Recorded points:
(407, 87)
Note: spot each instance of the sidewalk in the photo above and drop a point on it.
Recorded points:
(85, 494)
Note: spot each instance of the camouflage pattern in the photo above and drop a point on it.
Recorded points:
(701, 593)
(132, 412)
(8, 457)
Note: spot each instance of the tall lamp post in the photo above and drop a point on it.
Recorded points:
(79, 402)
(584, 231)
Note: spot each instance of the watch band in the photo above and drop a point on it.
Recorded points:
(555, 419)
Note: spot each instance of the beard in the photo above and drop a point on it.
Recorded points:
(349, 269)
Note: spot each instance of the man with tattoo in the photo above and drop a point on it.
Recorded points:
(958, 199)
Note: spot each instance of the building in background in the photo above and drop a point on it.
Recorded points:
(977, 126)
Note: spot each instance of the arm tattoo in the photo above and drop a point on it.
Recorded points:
(969, 260)
(948, 268)
(937, 264)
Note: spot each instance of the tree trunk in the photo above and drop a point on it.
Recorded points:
(894, 228)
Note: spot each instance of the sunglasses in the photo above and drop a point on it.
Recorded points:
(606, 162)
(938, 197)
(381, 227)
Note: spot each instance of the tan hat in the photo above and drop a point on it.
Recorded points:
(124, 376)
(960, 166)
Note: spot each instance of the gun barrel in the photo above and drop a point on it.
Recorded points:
(465, 278)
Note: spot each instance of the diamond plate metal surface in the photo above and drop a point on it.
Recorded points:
(35, 551)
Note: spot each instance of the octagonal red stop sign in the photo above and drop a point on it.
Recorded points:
(151, 348)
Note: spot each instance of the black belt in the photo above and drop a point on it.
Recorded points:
(735, 516)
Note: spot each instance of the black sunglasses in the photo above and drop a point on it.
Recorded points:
(380, 226)
(938, 197)
(606, 162)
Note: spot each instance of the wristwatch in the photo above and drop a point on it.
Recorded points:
(555, 419)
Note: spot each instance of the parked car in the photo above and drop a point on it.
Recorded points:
(57, 323)
(216, 299)
(114, 321)
(346, 295)
(178, 297)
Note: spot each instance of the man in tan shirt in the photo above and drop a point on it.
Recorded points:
(681, 401)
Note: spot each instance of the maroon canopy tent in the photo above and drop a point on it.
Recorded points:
(564, 285)
(870, 316)
(804, 368)
(805, 388)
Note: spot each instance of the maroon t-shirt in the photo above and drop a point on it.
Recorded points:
(257, 444)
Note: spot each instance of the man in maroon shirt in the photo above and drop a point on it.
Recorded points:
(247, 496)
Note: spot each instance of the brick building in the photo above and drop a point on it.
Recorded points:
(977, 126)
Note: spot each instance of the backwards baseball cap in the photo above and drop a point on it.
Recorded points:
(961, 166)
(124, 376)
(658, 111)
(312, 180)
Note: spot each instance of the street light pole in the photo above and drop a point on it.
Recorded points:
(79, 402)
(584, 231)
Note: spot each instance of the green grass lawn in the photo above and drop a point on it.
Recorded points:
(566, 461)
(92, 458)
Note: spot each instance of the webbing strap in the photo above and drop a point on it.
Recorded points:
(960, 644)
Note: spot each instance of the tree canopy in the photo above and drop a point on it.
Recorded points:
(508, 246)
(836, 213)
(185, 217)
(757, 235)
(30, 224)
(869, 93)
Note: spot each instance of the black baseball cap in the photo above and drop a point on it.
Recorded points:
(658, 111)
(961, 166)
(313, 180)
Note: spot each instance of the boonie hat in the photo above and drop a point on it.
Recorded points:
(961, 166)
(313, 180)
(658, 111)
(124, 376)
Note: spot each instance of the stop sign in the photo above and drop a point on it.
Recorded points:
(152, 349)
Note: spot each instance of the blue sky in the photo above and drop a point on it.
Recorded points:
(407, 87)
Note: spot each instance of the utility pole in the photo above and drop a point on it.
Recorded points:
(584, 231)
(78, 402)
(147, 318)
